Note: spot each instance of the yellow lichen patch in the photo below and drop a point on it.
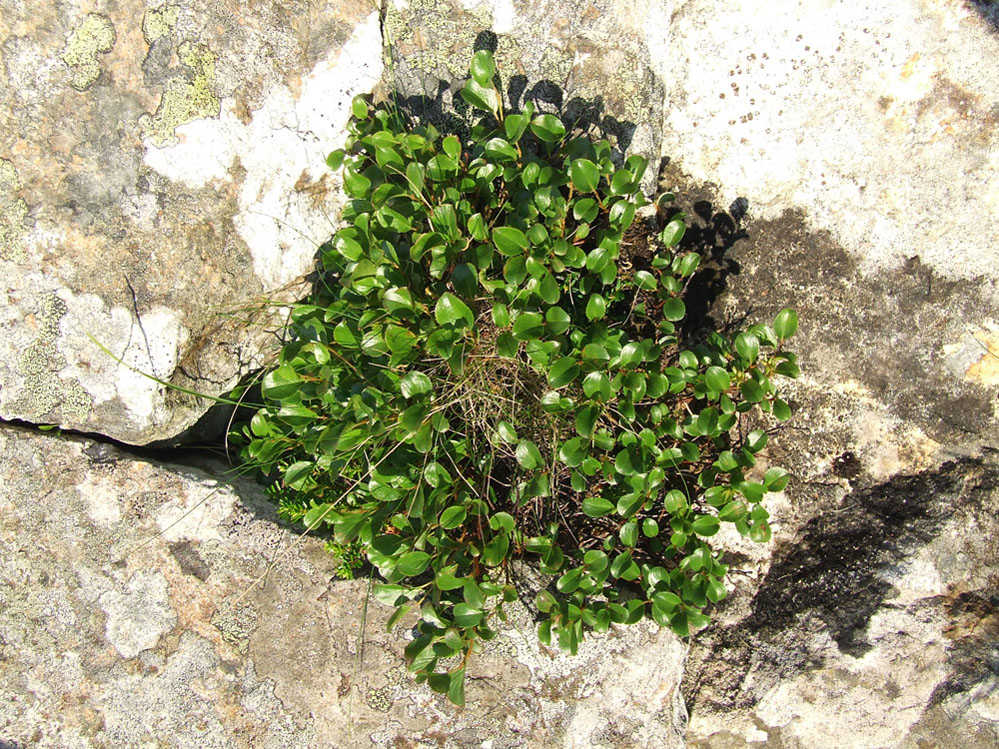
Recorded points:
(94, 36)
(158, 22)
(184, 101)
(985, 371)
(13, 211)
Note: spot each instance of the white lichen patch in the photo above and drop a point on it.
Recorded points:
(96, 35)
(138, 615)
(147, 346)
(287, 136)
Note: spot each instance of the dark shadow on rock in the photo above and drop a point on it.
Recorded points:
(712, 232)
(830, 570)
(441, 105)
(826, 580)
(989, 10)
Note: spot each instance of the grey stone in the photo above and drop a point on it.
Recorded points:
(111, 633)
(163, 180)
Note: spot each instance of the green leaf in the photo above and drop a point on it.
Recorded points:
(775, 479)
(597, 385)
(413, 563)
(747, 346)
(573, 451)
(733, 511)
(563, 372)
(596, 507)
(675, 502)
(585, 175)
(506, 432)
(674, 309)
(496, 550)
(645, 280)
(622, 182)
(480, 96)
(335, 159)
(499, 150)
(298, 473)
(359, 107)
(548, 289)
(673, 233)
(528, 455)
(785, 324)
(629, 533)
(396, 299)
(356, 183)
(514, 126)
(482, 67)
(570, 580)
(452, 517)
(466, 615)
(650, 528)
(477, 227)
(782, 411)
(509, 240)
(596, 307)
(463, 277)
(760, 532)
(586, 419)
(585, 210)
(501, 316)
(557, 319)
(456, 687)
(506, 345)
(717, 379)
(502, 521)
(280, 383)
(414, 383)
(548, 127)
(451, 309)
(686, 264)
(528, 325)
(705, 525)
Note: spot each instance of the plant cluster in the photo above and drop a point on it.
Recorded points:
(490, 371)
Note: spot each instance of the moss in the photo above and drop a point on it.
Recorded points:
(94, 36)
(183, 100)
(13, 212)
(158, 22)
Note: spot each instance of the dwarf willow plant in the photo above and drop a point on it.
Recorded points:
(489, 371)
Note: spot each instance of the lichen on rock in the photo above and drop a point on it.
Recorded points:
(96, 35)
(158, 22)
(185, 100)
(40, 362)
(13, 212)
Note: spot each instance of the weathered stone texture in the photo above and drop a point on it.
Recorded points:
(144, 603)
(162, 175)
(162, 165)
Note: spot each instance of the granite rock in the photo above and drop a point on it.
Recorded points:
(163, 180)
(152, 603)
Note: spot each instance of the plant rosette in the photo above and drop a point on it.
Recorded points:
(489, 370)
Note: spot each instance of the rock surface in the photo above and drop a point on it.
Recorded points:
(144, 603)
(158, 165)
(162, 176)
